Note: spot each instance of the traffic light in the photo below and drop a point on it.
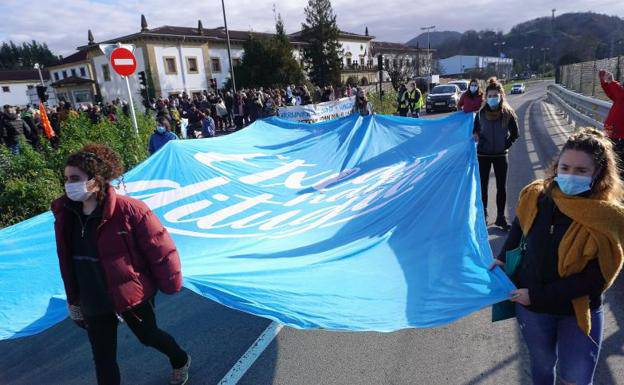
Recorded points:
(379, 63)
(41, 92)
(142, 79)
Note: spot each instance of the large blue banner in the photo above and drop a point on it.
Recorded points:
(361, 223)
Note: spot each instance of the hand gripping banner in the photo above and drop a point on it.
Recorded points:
(360, 223)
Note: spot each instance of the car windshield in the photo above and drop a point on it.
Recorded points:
(462, 86)
(517, 85)
(444, 90)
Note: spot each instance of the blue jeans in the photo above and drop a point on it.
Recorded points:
(15, 149)
(558, 341)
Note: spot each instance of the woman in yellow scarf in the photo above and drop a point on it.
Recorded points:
(573, 227)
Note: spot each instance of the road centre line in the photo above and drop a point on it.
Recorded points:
(251, 355)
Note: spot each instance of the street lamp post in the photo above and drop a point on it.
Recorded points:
(227, 35)
(38, 67)
(428, 29)
(544, 50)
(529, 48)
(499, 45)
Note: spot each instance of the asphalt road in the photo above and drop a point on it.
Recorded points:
(468, 352)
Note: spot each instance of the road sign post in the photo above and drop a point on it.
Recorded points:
(124, 63)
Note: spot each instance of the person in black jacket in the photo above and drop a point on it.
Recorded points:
(495, 130)
(586, 171)
(3, 118)
(15, 128)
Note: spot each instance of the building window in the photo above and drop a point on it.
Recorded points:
(216, 64)
(191, 65)
(106, 72)
(362, 61)
(56, 76)
(6, 89)
(73, 71)
(348, 62)
(30, 86)
(83, 72)
(64, 74)
(82, 97)
(170, 65)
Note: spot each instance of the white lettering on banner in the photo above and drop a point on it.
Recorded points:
(340, 197)
(312, 113)
(209, 158)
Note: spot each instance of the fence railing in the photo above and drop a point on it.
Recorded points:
(583, 77)
(584, 110)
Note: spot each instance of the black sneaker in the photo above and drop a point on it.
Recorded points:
(180, 376)
(502, 223)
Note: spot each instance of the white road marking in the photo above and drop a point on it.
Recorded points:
(123, 62)
(533, 158)
(251, 355)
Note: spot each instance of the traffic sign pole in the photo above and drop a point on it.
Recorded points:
(124, 63)
(132, 113)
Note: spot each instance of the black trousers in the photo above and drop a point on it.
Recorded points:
(500, 172)
(102, 331)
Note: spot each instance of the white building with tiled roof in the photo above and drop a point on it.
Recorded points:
(15, 84)
(184, 59)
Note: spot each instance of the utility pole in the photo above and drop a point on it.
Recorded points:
(553, 47)
(429, 55)
(227, 35)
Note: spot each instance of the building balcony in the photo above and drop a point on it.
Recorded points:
(353, 68)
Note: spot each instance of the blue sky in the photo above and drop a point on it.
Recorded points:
(63, 24)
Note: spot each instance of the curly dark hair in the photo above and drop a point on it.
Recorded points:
(100, 163)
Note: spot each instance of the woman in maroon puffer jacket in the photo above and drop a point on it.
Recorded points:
(114, 255)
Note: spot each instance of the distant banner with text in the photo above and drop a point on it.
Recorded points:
(320, 112)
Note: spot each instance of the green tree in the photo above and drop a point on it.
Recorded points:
(322, 52)
(268, 62)
(13, 56)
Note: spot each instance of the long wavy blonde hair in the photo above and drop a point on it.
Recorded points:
(607, 185)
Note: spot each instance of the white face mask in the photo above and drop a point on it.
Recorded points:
(77, 191)
(473, 89)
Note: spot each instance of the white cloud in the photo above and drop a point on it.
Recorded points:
(63, 24)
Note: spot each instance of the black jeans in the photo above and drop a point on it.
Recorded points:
(500, 172)
(102, 331)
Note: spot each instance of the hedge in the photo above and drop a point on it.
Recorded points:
(30, 181)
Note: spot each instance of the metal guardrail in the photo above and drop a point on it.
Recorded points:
(582, 109)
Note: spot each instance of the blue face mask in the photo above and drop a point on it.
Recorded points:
(493, 102)
(573, 184)
(161, 129)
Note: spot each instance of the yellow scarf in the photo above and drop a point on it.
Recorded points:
(597, 231)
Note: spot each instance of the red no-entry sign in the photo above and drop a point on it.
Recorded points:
(123, 61)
